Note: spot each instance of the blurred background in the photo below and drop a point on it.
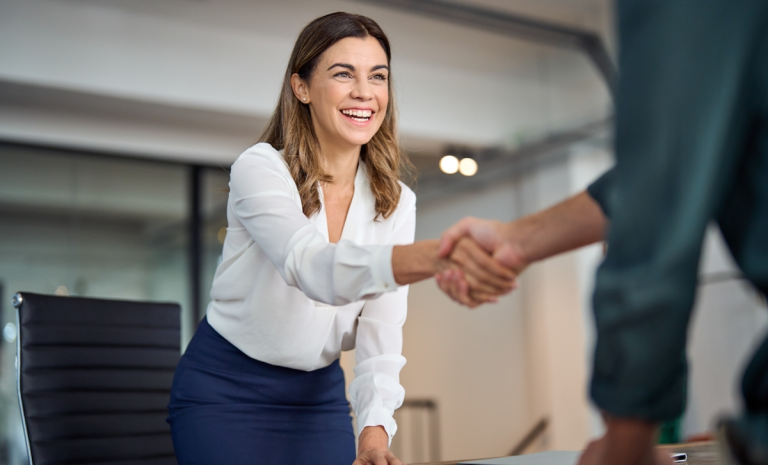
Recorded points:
(120, 119)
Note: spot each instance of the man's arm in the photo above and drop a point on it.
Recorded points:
(573, 223)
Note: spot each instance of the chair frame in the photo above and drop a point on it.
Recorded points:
(17, 302)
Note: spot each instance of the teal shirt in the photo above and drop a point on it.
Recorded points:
(691, 147)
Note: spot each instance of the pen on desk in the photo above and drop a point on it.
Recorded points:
(679, 457)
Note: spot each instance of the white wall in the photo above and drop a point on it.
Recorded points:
(729, 321)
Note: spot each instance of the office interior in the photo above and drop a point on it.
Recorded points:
(119, 120)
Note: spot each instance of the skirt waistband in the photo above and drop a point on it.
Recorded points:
(212, 370)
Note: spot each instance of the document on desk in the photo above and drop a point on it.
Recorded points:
(554, 457)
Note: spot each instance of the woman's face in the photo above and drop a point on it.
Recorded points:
(348, 93)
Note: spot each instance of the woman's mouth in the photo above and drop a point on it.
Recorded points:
(361, 116)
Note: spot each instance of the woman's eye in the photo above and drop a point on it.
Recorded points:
(380, 77)
(343, 74)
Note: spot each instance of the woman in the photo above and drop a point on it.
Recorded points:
(309, 269)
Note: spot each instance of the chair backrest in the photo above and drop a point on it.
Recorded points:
(94, 379)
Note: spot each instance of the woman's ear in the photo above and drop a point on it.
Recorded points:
(300, 89)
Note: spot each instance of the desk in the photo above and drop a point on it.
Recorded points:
(699, 453)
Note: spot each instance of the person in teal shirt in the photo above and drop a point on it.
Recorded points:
(691, 148)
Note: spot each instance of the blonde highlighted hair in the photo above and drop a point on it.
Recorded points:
(290, 128)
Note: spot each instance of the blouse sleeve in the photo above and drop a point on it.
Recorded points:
(376, 393)
(263, 198)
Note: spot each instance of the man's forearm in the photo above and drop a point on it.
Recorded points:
(573, 223)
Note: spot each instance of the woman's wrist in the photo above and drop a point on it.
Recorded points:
(373, 437)
(418, 261)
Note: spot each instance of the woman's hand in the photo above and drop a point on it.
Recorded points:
(372, 448)
(377, 457)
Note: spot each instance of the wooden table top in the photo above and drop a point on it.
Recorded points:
(699, 453)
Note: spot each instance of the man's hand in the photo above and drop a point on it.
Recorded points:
(372, 448)
(474, 277)
(626, 442)
(494, 237)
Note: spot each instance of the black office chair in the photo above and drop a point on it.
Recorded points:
(94, 378)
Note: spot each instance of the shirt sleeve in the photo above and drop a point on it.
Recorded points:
(263, 197)
(376, 393)
(680, 138)
(600, 189)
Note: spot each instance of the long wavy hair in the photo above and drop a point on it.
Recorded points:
(290, 128)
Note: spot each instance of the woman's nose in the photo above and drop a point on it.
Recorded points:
(362, 90)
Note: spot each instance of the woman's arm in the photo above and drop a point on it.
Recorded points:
(376, 392)
(263, 199)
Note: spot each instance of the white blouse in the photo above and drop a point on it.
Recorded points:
(284, 295)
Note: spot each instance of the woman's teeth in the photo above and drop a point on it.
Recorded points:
(358, 115)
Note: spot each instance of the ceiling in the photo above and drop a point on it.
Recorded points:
(196, 79)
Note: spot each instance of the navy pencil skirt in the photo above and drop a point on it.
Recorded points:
(228, 408)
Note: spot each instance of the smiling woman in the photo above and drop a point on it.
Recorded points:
(347, 102)
(336, 96)
(318, 250)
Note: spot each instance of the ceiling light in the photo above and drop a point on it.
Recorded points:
(449, 164)
(468, 167)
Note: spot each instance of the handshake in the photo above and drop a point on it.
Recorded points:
(475, 261)
(478, 261)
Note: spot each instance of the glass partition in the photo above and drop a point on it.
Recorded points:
(214, 188)
(85, 225)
